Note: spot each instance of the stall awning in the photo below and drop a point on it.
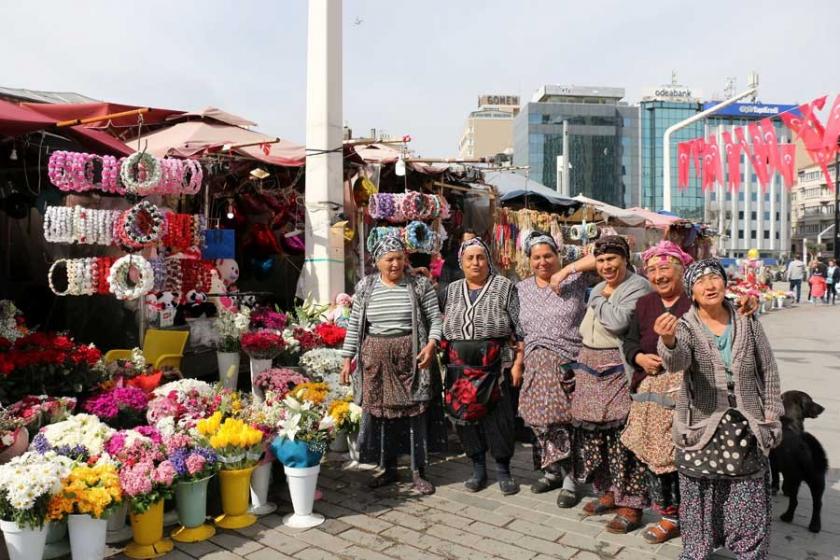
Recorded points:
(70, 111)
(514, 187)
(655, 219)
(608, 210)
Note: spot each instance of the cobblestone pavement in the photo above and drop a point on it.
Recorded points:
(397, 523)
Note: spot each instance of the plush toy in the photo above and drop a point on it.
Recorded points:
(340, 312)
(228, 272)
(196, 304)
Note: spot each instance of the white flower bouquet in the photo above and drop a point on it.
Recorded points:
(322, 362)
(80, 437)
(230, 326)
(27, 483)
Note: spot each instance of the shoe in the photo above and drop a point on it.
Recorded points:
(625, 520)
(389, 476)
(545, 484)
(474, 484)
(509, 487)
(567, 499)
(600, 506)
(662, 532)
(422, 485)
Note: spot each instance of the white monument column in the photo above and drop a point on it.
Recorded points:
(322, 277)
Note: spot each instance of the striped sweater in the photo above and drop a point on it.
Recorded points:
(493, 314)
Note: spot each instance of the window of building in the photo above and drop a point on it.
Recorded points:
(777, 235)
(777, 216)
(766, 215)
(754, 197)
(767, 234)
(752, 234)
(752, 215)
(740, 234)
(741, 196)
(740, 214)
(728, 197)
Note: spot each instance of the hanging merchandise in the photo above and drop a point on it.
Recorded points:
(140, 226)
(123, 286)
(413, 205)
(84, 277)
(419, 238)
(363, 189)
(184, 231)
(74, 172)
(86, 226)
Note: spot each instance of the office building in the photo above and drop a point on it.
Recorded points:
(812, 210)
(489, 130)
(600, 133)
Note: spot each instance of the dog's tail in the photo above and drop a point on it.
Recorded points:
(820, 458)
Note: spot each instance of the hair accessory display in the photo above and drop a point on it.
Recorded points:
(121, 284)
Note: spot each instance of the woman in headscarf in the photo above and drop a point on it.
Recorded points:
(394, 328)
(653, 389)
(601, 400)
(551, 321)
(481, 321)
(726, 421)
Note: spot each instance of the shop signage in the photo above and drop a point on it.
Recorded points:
(756, 110)
(510, 100)
(671, 93)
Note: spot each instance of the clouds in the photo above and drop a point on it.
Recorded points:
(411, 67)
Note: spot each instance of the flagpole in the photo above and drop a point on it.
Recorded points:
(666, 138)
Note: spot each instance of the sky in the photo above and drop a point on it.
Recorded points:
(412, 68)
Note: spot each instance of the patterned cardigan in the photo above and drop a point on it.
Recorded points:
(420, 290)
(703, 397)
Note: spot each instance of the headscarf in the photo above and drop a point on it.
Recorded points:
(612, 244)
(701, 268)
(388, 244)
(666, 250)
(475, 242)
(537, 238)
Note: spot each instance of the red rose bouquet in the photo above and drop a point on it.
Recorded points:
(262, 344)
(332, 335)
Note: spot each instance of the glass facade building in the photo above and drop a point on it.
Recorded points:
(603, 142)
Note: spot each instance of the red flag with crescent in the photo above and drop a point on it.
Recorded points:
(787, 163)
(683, 161)
(768, 132)
(711, 164)
(732, 151)
(808, 127)
(832, 126)
(698, 148)
(760, 155)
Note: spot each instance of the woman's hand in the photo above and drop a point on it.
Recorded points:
(650, 363)
(747, 305)
(516, 373)
(345, 372)
(426, 355)
(557, 278)
(666, 327)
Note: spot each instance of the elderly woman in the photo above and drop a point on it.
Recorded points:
(552, 305)
(395, 324)
(654, 389)
(481, 320)
(726, 421)
(601, 400)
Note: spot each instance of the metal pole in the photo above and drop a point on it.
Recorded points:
(666, 138)
(567, 186)
(835, 245)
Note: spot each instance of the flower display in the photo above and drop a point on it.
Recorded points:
(146, 474)
(230, 326)
(265, 415)
(48, 363)
(332, 335)
(80, 437)
(346, 414)
(307, 421)
(12, 321)
(93, 490)
(27, 484)
(262, 344)
(309, 313)
(238, 444)
(267, 318)
(182, 405)
(40, 410)
(191, 461)
(121, 407)
(314, 392)
(307, 340)
(279, 380)
(322, 361)
(10, 425)
(184, 386)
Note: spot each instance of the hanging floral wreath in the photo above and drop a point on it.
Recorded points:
(140, 173)
(419, 238)
(141, 225)
(119, 277)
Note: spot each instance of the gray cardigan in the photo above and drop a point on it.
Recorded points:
(419, 289)
(703, 397)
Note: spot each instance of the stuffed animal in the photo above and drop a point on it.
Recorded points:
(340, 313)
(196, 304)
(228, 272)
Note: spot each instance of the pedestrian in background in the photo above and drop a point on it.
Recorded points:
(795, 274)
(832, 280)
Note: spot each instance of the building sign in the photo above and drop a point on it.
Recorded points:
(502, 100)
(579, 91)
(671, 92)
(751, 110)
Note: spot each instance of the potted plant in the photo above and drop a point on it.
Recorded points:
(306, 430)
(262, 346)
(27, 484)
(89, 494)
(194, 467)
(230, 325)
(239, 447)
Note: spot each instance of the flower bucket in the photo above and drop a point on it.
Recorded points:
(257, 367)
(87, 536)
(118, 530)
(18, 446)
(260, 482)
(302, 484)
(294, 453)
(191, 503)
(57, 543)
(24, 543)
(235, 488)
(780, 302)
(353, 446)
(147, 533)
(339, 444)
(228, 369)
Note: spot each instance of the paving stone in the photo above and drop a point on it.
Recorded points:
(282, 542)
(222, 555)
(235, 543)
(586, 543)
(366, 540)
(323, 540)
(199, 549)
(264, 554)
(360, 553)
(333, 526)
(312, 553)
(492, 532)
(632, 540)
(536, 530)
(406, 520)
(490, 517)
(452, 534)
(366, 522)
(404, 535)
(448, 519)
(455, 551)
(507, 551)
(545, 547)
(405, 552)
(586, 555)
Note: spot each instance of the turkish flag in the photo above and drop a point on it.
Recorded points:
(759, 156)
(768, 132)
(809, 128)
(832, 127)
(683, 161)
(787, 163)
(711, 164)
(732, 151)
(823, 158)
(698, 148)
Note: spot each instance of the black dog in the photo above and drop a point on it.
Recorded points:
(800, 457)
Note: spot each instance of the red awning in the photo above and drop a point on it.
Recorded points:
(69, 111)
(16, 120)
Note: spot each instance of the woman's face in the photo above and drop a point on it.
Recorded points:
(709, 291)
(666, 277)
(474, 264)
(391, 266)
(544, 261)
(611, 267)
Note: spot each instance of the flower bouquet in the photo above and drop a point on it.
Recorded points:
(309, 314)
(231, 325)
(120, 408)
(279, 381)
(180, 404)
(28, 483)
(12, 433)
(262, 344)
(194, 467)
(80, 437)
(332, 335)
(37, 411)
(135, 372)
(12, 321)
(322, 362)
(346, 414)
(264, 317)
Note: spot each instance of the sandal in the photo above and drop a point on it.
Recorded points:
(625, 520)
(662, 532)
(600, 506)
(389, 476)
(421, 484)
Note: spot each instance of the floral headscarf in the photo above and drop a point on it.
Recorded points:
(701, 268)
(388, 244)
(538, 238)
(476, 242)
(612, 244)
(666, 250)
